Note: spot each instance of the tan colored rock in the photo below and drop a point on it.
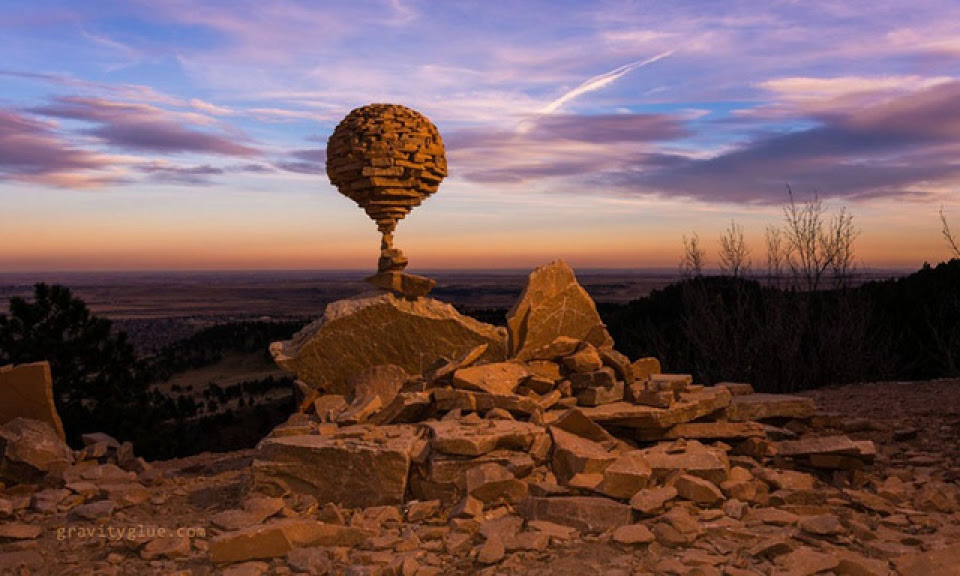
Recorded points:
(275, 540)
(672, 382)
(652, 500)
(692, 405)
(632, 535)
(553, 304)
(166, 547)
(627, 475)
(599, 395)
(383, 381)
(328, 407)
(942, 562)
(586, 514)
(736, 388)
(349, 339)
(764, 406)
(443, 369)
(29, 449)
(698, 490)
(26, 391)
(575, 422)
(805, 561)
(822, 525)
(586, 359)
(247, 569)
(786, 479)
(255, 511)
(402, 284)
(708, 431)
(360, 410)
(18, 531)
(818, 445)
(639, 393)
(546, 369)
(405, 408)
(853, 564)
(643, 368)
(461, 438)
(490, 482)
(492, 550)
(574, 455)
(707, 462)
(446, 400)
(94, 510)
(365, 467)
(500, 378)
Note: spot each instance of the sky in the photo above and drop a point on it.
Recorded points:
(185, 134)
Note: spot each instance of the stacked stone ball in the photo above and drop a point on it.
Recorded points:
(388, 159)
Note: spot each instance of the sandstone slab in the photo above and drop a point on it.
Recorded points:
(574, 455)
(764, 406)
(707, 462)
(29, 449)
(351, 337)
(692, 405)
(473, 439)
(26, 391)
(498, 378)
(586, 514)
(275, 540)
(553, 304)
(367, 466)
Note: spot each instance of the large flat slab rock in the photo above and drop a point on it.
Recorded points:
(707, 462)
(382, 329)
(275, 540)
(466, 438)
(26, 391)
(764, 406)
(358, 467)
(692, 405)
(553, 304)
(585, 513)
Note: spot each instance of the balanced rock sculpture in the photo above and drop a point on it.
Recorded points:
(388, 158)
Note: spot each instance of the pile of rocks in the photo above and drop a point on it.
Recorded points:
(539, 449)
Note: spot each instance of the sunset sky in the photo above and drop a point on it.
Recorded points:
(182, 134)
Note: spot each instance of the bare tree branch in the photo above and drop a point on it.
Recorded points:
(734, 254)
(948, 234)
(691, 264)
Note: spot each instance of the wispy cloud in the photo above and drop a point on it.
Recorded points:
(140, 127)
(31, 151)
(600, 81)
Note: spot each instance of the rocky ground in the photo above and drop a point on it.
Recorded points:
(898, 515)
(446, 446)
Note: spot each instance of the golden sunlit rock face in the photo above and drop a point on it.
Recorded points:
(388, 159)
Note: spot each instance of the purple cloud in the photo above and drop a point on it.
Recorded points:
(31, 151)
(143, 127)
(187, 175)
(899, 147)
(313, 161)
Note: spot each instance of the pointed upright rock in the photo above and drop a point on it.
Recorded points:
(553, 304)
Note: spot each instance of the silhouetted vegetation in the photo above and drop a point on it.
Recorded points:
(208, 346)
(100, 384)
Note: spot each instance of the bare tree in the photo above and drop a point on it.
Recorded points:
(948, 235)
(734, 254)
(691, 264)
(775, 253)
(815, 245)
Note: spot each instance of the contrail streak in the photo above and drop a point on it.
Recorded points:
(598, 82)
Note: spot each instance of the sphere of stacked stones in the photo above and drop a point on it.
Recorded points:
(388, 159)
